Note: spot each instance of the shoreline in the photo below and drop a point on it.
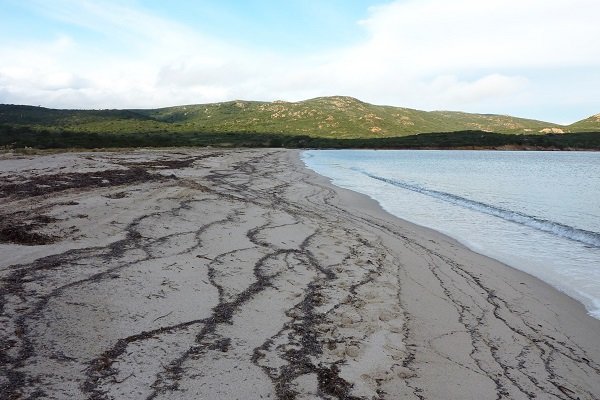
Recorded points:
(376, 208)
(243, 274)
(569, 292)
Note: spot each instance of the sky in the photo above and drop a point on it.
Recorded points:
(530, 58)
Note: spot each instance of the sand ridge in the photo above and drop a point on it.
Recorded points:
(239, 274)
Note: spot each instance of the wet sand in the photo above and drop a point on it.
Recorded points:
(240, 274)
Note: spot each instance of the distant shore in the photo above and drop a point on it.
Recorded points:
(214, 273)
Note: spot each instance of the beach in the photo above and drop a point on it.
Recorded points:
(241, 274)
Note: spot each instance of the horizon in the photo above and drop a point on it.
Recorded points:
(538, 60)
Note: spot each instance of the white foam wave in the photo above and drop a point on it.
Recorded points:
(555, 228)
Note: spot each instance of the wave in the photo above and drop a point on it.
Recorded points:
(555, 228)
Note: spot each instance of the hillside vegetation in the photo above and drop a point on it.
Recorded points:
(335, 120)
(334, 117)
(591, 124)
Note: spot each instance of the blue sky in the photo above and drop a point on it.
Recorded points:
(536, 59)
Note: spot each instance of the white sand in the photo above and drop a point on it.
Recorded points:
(242, 275)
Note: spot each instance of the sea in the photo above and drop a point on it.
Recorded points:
(538, 212)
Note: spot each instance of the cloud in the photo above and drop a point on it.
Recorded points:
(450, 89)
(492, 34)
(430, 54)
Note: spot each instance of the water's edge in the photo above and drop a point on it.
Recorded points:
(592, 309)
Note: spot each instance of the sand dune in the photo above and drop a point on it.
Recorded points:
(239, 274)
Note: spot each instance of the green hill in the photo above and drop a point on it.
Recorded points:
(76, 120)
(328, 117)
(591, 124)
(332, 122)
(339, 117)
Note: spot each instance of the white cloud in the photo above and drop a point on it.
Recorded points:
(494, 33)
(431, 54)
(450, 89)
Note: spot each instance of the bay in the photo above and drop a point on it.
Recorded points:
(535, 211)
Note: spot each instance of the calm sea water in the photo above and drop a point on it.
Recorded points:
(536, 211)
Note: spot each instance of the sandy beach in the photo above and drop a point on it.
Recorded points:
(240, 274)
